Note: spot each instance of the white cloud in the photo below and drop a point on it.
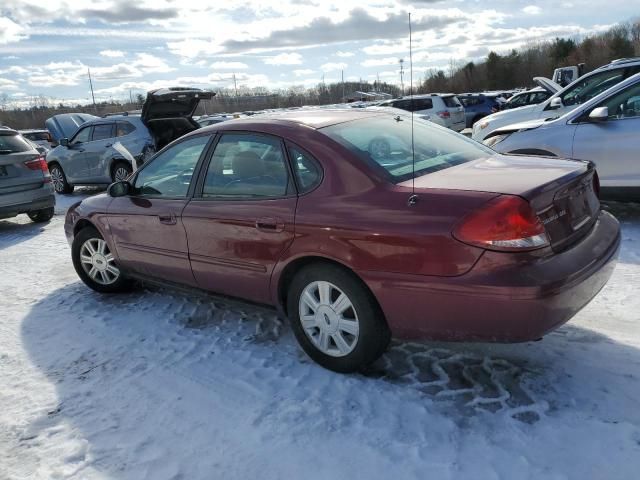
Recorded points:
(6, 84)
(284, 59)
(532, 10)
(302, 72)
(229, 66)
(10, 31)
(112, 53)
(332, 66)
(344, 54)
(380, 62)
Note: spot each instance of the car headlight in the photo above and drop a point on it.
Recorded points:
(496, 139)
(484, 125)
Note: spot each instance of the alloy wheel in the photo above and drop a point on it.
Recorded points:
(329, 319)
(98, 262)
(120, 174)
(57, 179)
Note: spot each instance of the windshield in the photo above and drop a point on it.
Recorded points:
(589, 87)
(385, 142)
(13, 144)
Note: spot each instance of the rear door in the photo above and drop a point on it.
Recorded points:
(242, 216)
(613, 144)
(146, 226)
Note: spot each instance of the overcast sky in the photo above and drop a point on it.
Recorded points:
(46, 46)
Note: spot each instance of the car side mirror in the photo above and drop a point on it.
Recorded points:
(555, 103)
(64, 142)
(119, 189)
(600, 114)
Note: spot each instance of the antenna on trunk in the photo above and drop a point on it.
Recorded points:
(413, 199)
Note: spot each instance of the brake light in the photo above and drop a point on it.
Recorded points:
(596, 184)
(39, 164)
(444, 114)
(505, 223)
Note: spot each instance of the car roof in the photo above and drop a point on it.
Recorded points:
(34, 130)
(313, 118)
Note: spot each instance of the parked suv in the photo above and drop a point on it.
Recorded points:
(529, 97)
(94, 154)
(442, 108)
(585, 88)
(603, 130)
(25, 184)
(478, 105)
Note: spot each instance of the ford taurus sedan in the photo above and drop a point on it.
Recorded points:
(356, 243)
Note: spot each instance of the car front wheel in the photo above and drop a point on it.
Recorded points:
(336, 319)
(95, 264)
(59, 179)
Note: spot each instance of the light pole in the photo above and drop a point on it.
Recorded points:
(401, 61)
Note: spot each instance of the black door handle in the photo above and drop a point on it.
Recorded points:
(270, 225)
(169, 219)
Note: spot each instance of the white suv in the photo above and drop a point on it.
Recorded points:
(585, 88)
(442, 108)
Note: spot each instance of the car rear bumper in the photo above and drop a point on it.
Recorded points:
(503, 298)
(29, 201)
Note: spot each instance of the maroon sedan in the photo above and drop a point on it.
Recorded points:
(333, 218)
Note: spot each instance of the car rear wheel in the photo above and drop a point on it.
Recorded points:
(41, 216)
(336, 319)
(59, 179)
(95, 264)
(120, 171)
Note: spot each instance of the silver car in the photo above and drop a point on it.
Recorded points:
(25, 183)
(106, 150)
(603, 130)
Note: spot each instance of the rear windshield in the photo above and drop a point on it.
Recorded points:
(385, 141)
(451, 101)
(37, 136)
(13, 144)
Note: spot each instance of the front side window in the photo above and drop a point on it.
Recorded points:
(169, 174)
(385, 141)
(589, 87)
(247, 166)
(625, 104)
(83, 136)
(307, 169)
(518, 100)
(102, 132)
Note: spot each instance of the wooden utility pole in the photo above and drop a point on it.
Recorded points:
(95, 107)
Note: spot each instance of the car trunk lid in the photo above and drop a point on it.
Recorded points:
(455, 108)
(561, 192)
(548, 84)
(16, 176)
(168, 112)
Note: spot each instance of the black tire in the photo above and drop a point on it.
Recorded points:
(373, 336)
(41, 216)
(119, 166)
(61, 186)
(121, 284)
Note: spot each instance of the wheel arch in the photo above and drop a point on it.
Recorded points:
(292, 268)
(81, 225)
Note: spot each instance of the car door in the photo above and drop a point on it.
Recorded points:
(613, 144)
(146, 226)
(242, 216)
(98, 152)
(74, 160)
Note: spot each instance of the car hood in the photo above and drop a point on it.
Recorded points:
(505, 174)
(517, 127)
(548, 84)
(64, 125)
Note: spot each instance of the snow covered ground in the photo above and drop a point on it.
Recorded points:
(159, 385)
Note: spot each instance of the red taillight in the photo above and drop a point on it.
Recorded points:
(39, 164)
(596, 184)
(505, 223)
(444, 114)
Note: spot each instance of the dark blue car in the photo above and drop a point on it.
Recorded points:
(478, 105)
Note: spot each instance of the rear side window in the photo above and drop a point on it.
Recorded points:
(37, 136)
(102, 132)
(13, 144)
(124, 128)
(451, 102)
(307, 169)
(422, 104)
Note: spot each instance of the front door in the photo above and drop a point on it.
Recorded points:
(613, 144)
(96, 151)
(74, 162)
(146, 226)
(242, 216)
